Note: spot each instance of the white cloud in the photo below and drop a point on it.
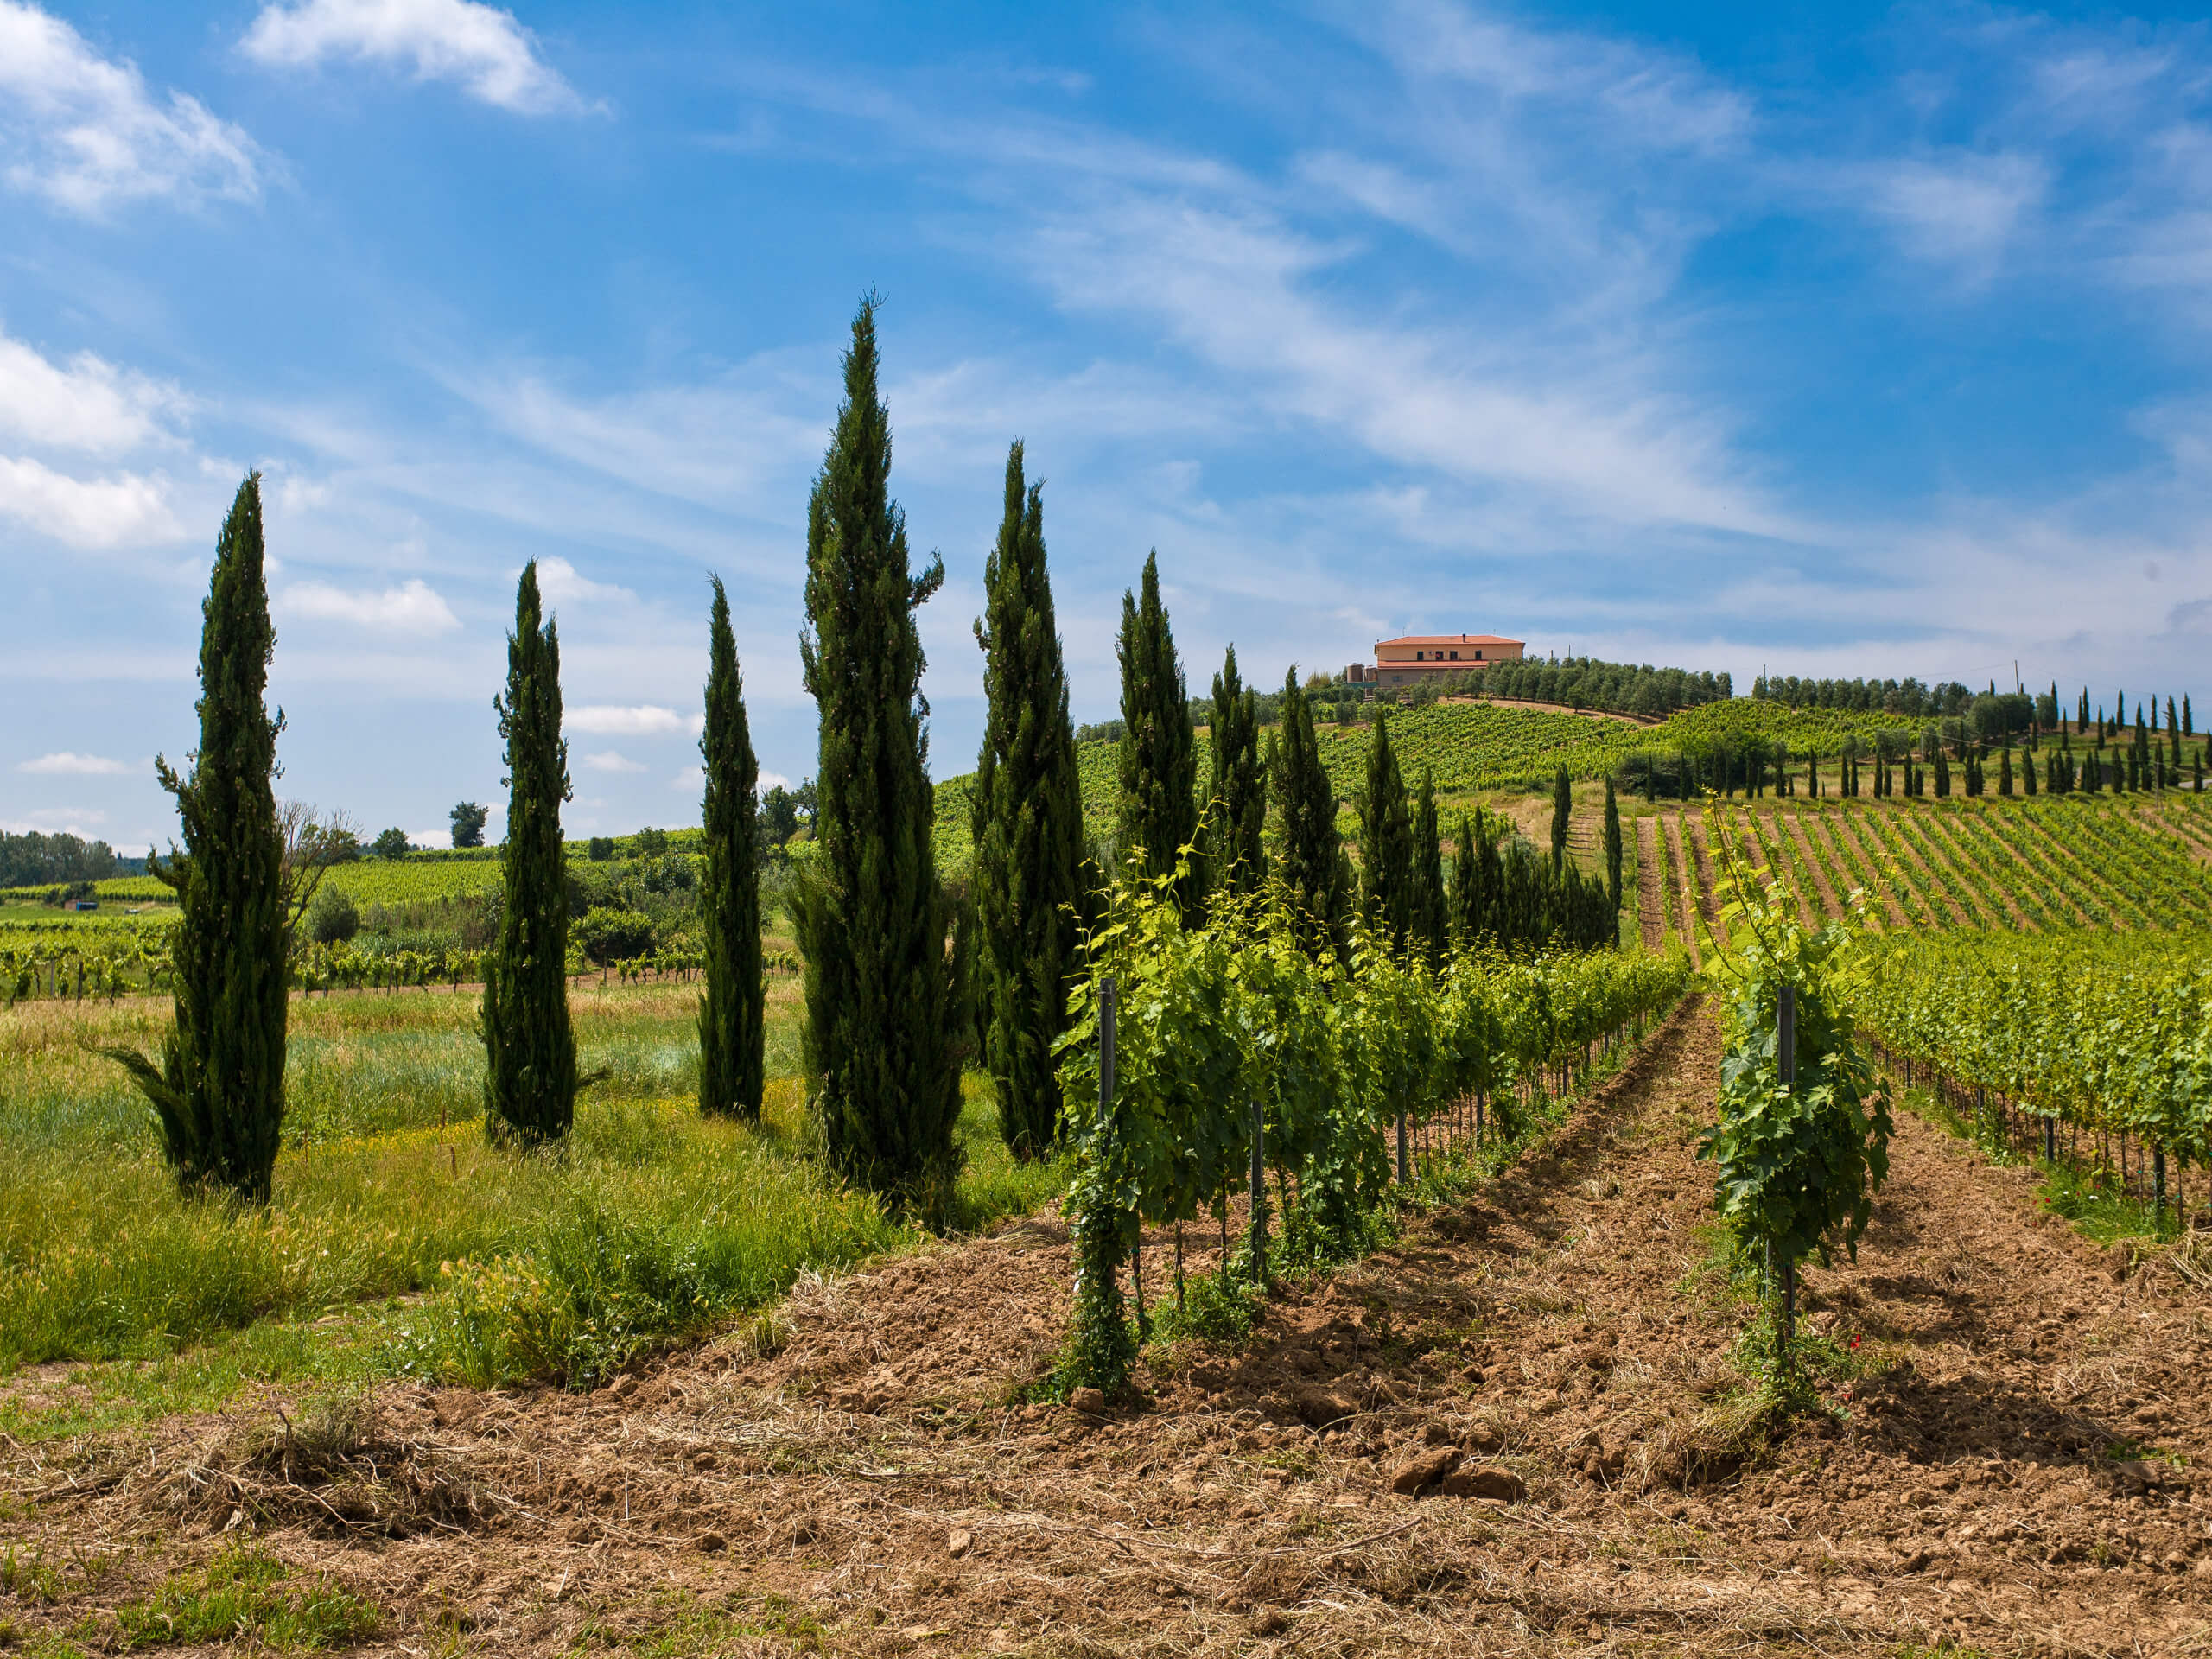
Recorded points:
(83, 132)
(558, 583)
(97, 513)
(87, 403)
(414, 607)
(66, 762)
(769, 781)
(481, 48)
(689, 778)
(612, 720)
(612, 760)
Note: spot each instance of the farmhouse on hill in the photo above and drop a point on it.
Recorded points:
(1417, 656)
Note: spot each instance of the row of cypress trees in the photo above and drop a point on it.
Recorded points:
(218, 1088)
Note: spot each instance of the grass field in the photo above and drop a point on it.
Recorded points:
(436, 1253)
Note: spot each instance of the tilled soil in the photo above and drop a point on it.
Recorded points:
(2006, 1462)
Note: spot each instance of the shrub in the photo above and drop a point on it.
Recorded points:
(334, 917)
(610, 935)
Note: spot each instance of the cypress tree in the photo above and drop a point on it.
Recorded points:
(1311, 864)
(1466, 899)
(1236, 789)
(1158, 763)
(882, 1045)
(1562, 814)
(218, 1093)
(529, 1052)
(2188, 728)
(1028, 825)
(733, 1006)
(1386, 840)
(2173, 732)
(1613, 849)
(1430, 915)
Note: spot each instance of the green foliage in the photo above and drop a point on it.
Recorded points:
(391, 843)
(1429, 905)
(1587, 682)
(218, 1093)
(1386, 842)
(530, 1073)
(35, 860)
(1312, 868)
(1797, 1163)
(732, 1007)
(334, 917)
(1227, 1025)
(1562, 816)
(1505, 894)
(1613, 849)
(1236, 793)
(468, 818)
(882, 1046)
(608, 933)
(2107, 1031)
(1157, 760)
(1027, 825)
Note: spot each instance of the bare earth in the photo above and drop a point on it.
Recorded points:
(873, 1486)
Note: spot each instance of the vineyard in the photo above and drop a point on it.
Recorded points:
(1357, 1277)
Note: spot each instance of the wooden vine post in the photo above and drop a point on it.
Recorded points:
(1259, 1195)
(1786, 1060)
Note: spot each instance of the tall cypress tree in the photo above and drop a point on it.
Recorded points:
(1236, 786)
(882, 1058)
(1159, 761)
(732, 1008)
(1430, 912)
(529, 1052)
(1312, 865)
(218, 1093)
(1028, 825)
(1613, 850)
(1562, 815)
(1386, 840)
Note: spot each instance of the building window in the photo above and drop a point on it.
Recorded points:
(1419, 656)
(1455, 656)
(1478, 656)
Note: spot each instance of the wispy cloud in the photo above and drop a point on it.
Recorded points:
(481, 49)
(84, 131)
(612, 760)
(67, 763)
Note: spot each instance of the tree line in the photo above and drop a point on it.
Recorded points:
(35, 860)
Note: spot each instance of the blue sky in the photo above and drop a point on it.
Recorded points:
(1841, 340)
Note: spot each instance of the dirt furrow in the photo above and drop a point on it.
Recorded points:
(1649, 899)
(1831, 906)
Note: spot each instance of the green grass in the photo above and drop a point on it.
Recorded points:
(417, 1245)
(2092, 1199)
(245, 1597)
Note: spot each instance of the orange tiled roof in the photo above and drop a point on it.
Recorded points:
(1450, 640)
